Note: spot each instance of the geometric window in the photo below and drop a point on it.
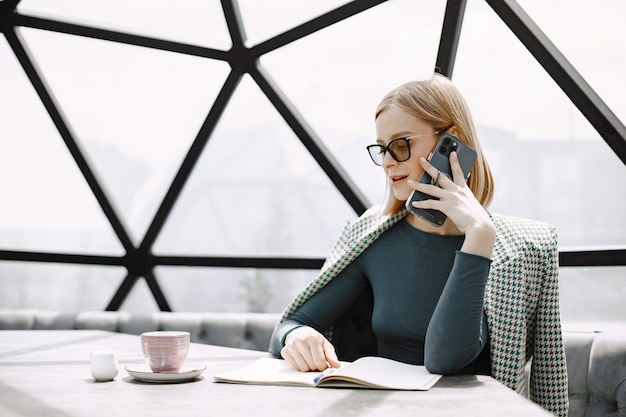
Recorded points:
(223, 142)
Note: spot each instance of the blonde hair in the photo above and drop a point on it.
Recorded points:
(438, 102)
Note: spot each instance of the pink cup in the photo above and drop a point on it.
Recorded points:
(165, 351)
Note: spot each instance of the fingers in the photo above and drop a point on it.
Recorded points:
(440, 178)
(331, 355)
(437, 176)
(447, 191)
(307, 350)
(457, 171)
(435, 188)
(455, 199)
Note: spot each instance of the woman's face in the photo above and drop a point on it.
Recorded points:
(395, 123)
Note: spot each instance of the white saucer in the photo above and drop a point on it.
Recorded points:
(143, 372)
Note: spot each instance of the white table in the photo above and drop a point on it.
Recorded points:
(47, 373)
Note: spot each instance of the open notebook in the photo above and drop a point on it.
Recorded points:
(368, 372)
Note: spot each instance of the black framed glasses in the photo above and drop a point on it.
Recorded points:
(399, 149)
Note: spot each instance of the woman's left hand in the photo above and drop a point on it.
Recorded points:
(457, 201)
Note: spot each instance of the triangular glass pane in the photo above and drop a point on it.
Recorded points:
(60, 287)
(140, 299)
(46, 203)
(135, 110)
(337, 76)
(266, 19)
(597, 50)
(199, 22)
(544, 154)
(255, 190)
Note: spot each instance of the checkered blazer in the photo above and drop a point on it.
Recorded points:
(521, 300)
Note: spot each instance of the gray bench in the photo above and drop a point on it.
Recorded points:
(596, 361)
(239, 330)
(596, 367)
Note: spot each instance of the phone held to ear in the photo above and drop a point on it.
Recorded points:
(439, 158)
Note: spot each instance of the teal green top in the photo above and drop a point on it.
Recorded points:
(428, 301)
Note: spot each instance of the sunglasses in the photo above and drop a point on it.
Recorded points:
(399, 149)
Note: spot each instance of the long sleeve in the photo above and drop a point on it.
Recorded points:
(457, 332)
(323, 309)
(277, 341)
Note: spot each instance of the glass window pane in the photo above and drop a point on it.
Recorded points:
(547, 159)
(57, 287)
(140, 299)
(135, 110)
(46, 203)
(265, 19)
(593, 294)
(336, 77)
(232, 289)
(255, 190)
(199, 22)
(596, 48)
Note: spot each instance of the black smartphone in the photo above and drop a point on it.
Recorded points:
(439, 158)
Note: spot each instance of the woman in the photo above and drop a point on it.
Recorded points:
(478, 294)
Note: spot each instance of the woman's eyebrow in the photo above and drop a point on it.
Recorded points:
(399, 135)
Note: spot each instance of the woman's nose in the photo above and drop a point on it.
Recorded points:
(388, 160)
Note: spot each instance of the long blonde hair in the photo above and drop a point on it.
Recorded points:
(438, 102)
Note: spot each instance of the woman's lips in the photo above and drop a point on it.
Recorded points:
(397, 179)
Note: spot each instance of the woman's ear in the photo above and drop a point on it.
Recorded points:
(452, 131)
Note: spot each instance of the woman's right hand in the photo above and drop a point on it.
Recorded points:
(306, 349)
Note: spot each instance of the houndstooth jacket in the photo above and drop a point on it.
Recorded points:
(521, 300)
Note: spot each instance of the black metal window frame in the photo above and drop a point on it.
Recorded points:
(139, 260)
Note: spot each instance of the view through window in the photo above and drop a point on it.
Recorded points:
(255, 190)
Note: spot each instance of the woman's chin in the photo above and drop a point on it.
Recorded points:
(402, 195)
